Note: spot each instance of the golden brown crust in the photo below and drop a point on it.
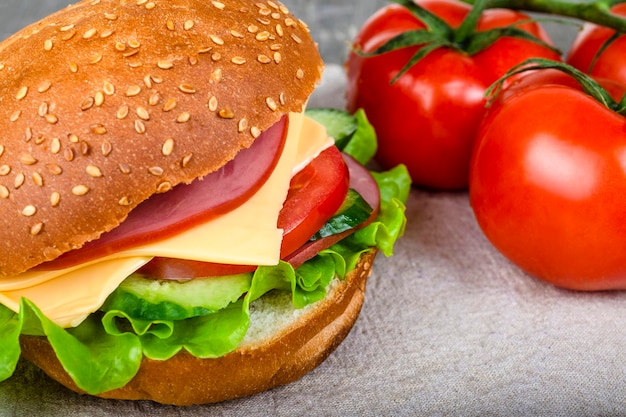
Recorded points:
(107, 102)
(256, 367)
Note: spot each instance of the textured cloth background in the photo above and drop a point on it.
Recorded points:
(448, 328)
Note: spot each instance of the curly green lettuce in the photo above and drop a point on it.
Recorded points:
(105, 351)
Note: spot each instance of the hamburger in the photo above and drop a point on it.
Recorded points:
(175, 227)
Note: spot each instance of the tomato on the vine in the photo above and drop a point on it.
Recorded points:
(427, 118)
(548, 182)
(598, 51)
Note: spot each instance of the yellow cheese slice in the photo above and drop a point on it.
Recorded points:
(248, 235)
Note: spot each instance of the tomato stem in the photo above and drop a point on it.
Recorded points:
(598, 12)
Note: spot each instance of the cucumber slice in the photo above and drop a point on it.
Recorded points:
(340, 125)
(354, 211)
(148, 299)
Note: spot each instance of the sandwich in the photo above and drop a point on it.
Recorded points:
(176, 225)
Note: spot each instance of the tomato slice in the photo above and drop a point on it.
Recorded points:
(315, 194)
(188, 205)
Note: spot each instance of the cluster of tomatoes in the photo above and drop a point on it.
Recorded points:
(544, 161)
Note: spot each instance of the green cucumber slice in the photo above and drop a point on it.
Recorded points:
(354, 211)
(149, 299)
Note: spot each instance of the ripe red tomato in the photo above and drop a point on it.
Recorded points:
(428, 118)
(548, 184)
(611, 63)
(315, 194)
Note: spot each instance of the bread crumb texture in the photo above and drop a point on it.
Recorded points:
(107, 102)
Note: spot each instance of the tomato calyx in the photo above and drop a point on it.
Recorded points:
(588, 84)
(439, 34)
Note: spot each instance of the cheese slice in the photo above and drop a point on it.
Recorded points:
(247, 235)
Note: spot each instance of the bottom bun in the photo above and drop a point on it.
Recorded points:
(282, 345)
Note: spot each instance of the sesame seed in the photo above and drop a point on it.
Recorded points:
(66, 28)
(236, 34)
(217, 75)
(80, 190)
(150, 5)
(156, 171)
(16, 115)
(140, 127)
(29, 211)
(40, 139)
(68, 154)
(19, 180)
(28, 159)
(262, 36)
(106, 33)
(154, 99)
(300, 74)
(110, 16)
(143, 113)
(124, 201)
(87, 103)
(55, 146)
(55, 199)
(189, 24)
(28, 135)
(141, 2)
(284, 9)
(36, 229)
(21, 93)
(282, 99)
(205, 50)
(124, 169)
(186, 88)
(263, 21)
(109, 88)
(183, 118)
(275, 47)
(51, 119)
(131, 53)
(213, 103)
(68, 36)
(106, 148)
(265, 11)
(93, 171)
(163, 64)
(253, 28)
(4, 192)
(278, 57)
(216, 56)
(43, 109)
(1, 150)
(279, 30)
(54, 169)
(44, 86)
(296, 38)
(156, 79)
(217, 40)
(134, 43)
(238, 60)
(37, 179)
(98, 129)
(289, 22)
(5, 170)
(120, 47)
(97, 57)
(122, 112)
(133, 90)
(255, 131)
(170, 25)
(272, 4)
(243, 125)
(218, 5)
(164, 187)
(264, 59)
(90, 33)
(72, 138)
(168, 147)
(276, 16)
(271, 103)
(186, 160)
(170, 105)
(226, 113)
(84, 148)
(73, 67)
(99, 99)
(47, 45)
(193, 61)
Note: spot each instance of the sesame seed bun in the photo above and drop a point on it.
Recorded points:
(281, 346)
(108, 102)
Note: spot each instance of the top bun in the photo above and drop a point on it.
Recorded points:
(110, 101)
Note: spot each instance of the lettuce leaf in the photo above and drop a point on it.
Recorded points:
(105, 351)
